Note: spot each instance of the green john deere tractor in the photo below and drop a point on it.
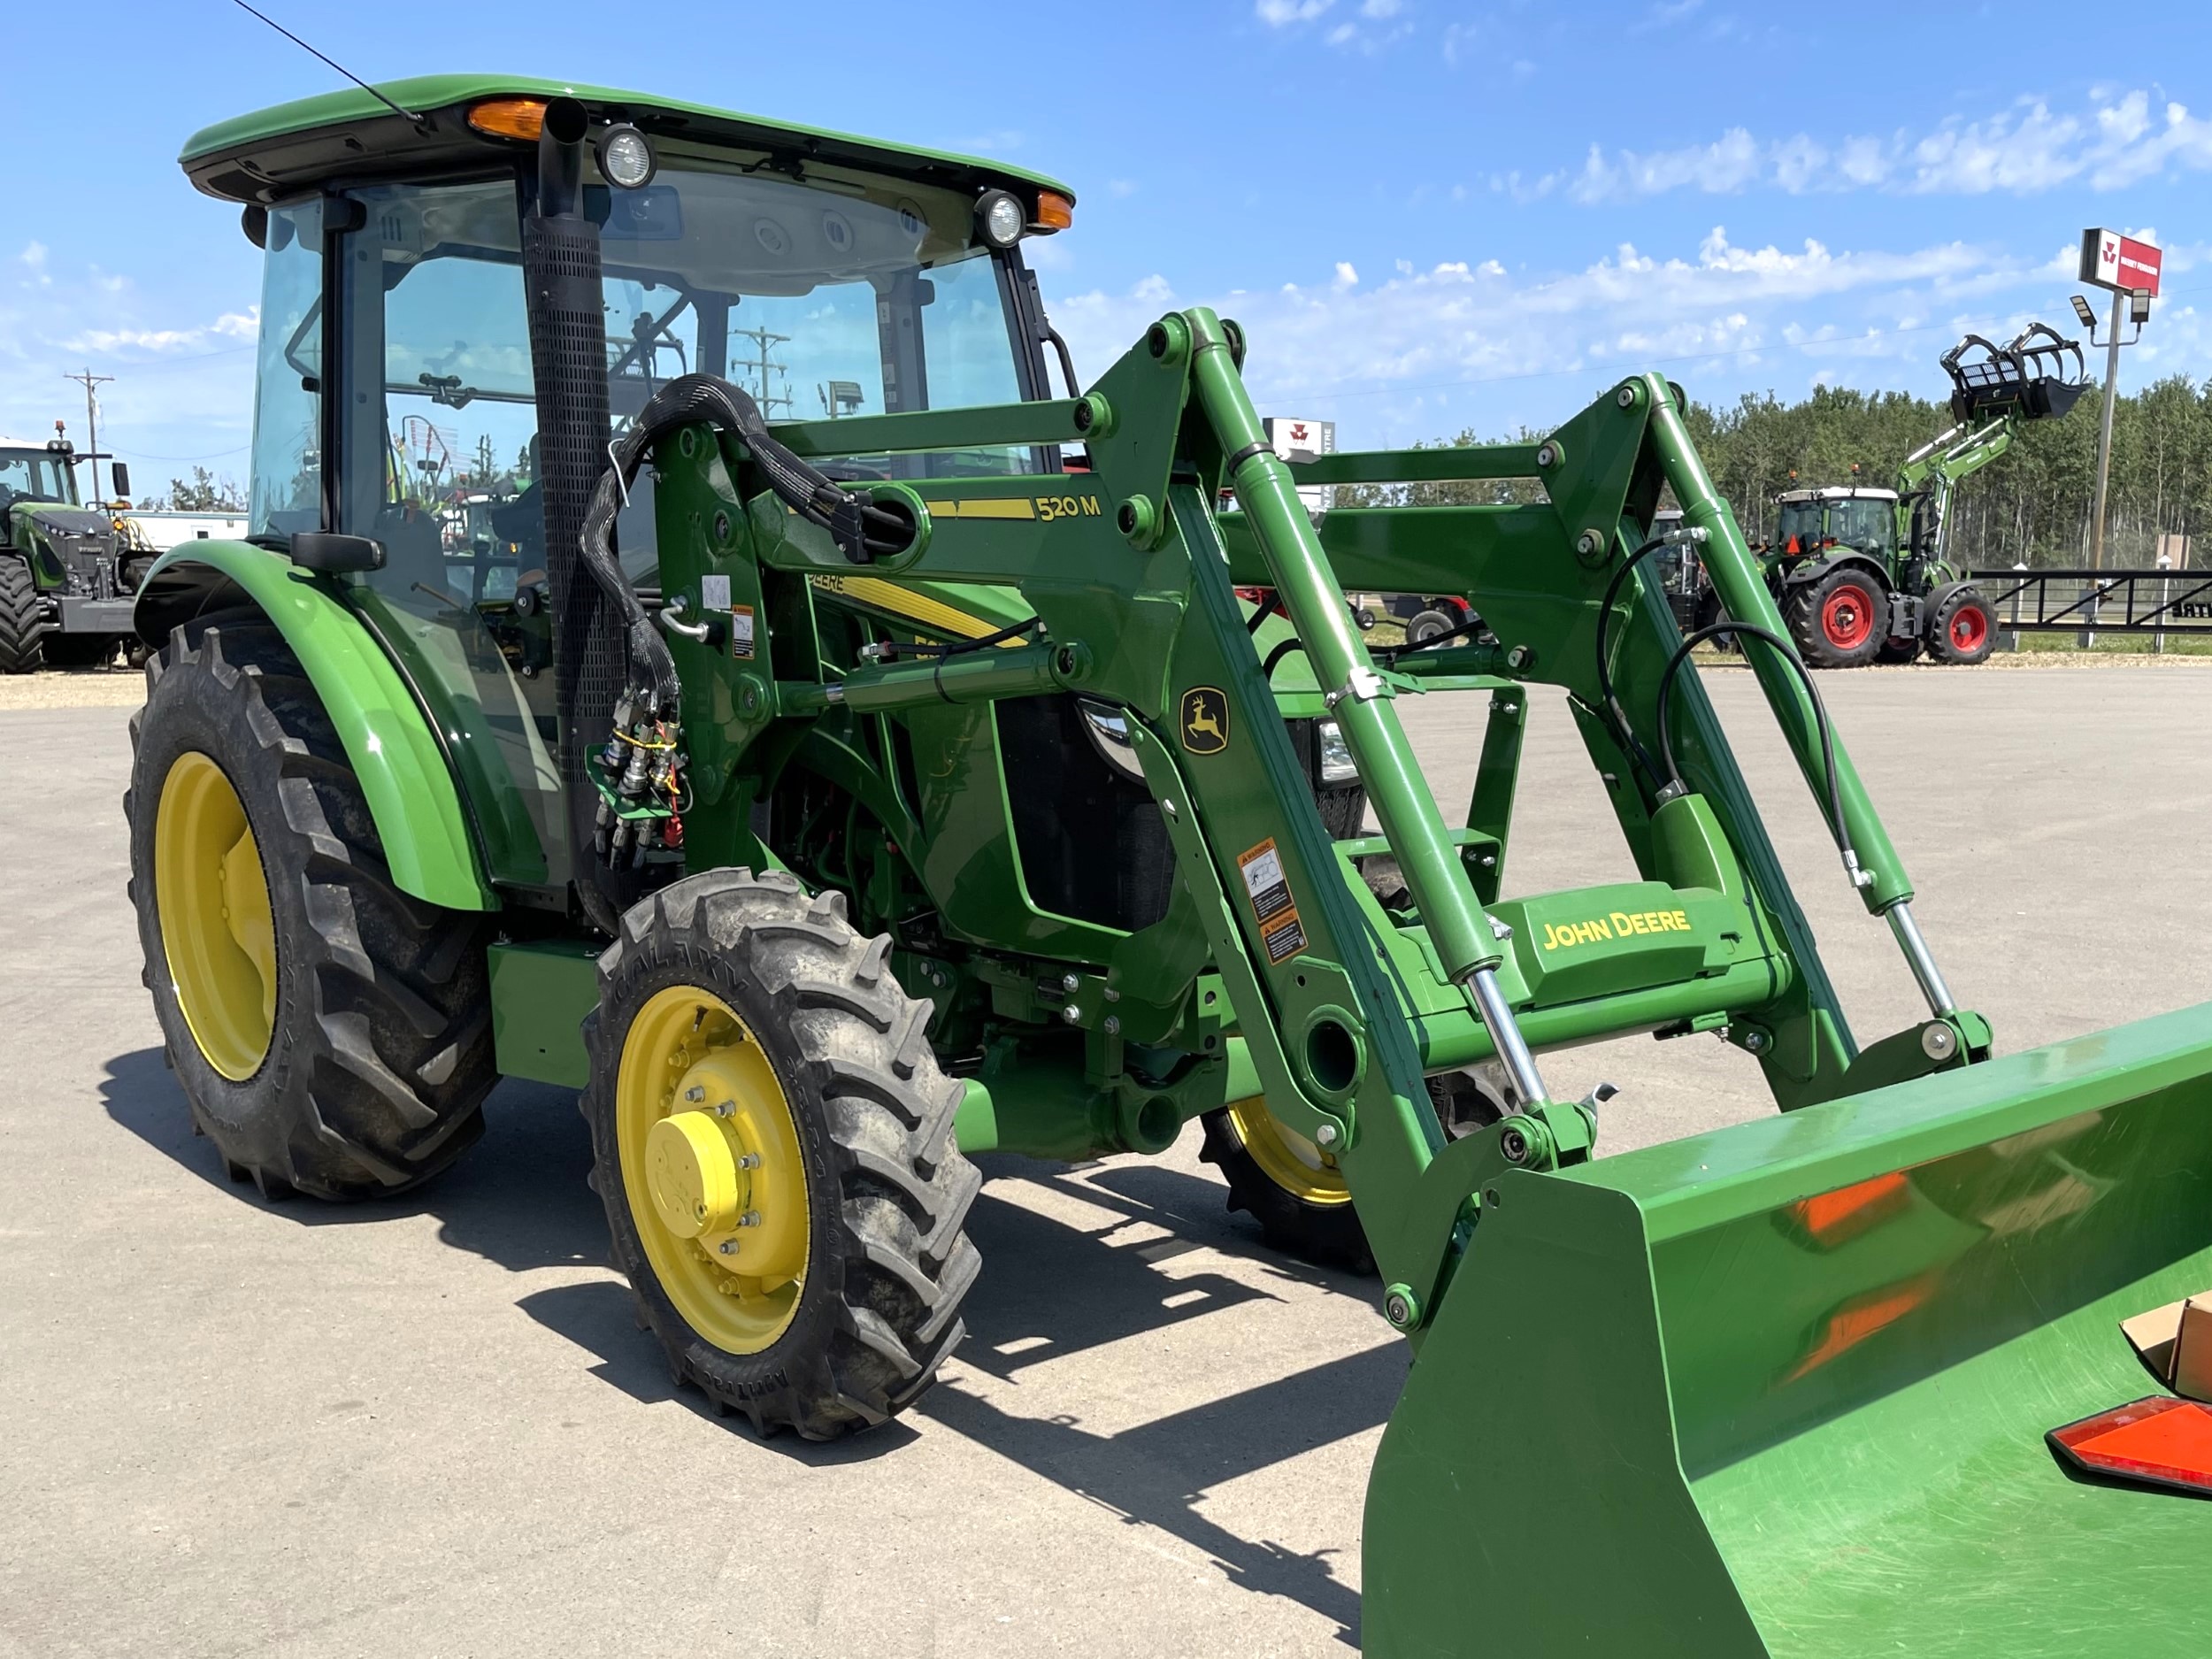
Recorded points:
(1862, 574)
(66, 576)
(827, 800)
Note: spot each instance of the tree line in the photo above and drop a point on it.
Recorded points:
(2032, 505)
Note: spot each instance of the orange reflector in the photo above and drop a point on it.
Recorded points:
(509, 118)
(1054, 211)
(1837, 1218)
(2160, 1441)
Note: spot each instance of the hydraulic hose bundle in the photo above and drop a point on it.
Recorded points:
(641, 766)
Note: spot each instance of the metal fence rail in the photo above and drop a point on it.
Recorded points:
(2066, 601)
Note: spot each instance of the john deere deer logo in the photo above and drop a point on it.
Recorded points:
(1205, 721)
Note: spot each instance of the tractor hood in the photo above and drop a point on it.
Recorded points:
(67, 528)
(57, 537)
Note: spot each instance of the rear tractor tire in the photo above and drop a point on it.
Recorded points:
(1839, 620)
(1961, 628)
(22, 640)
(772, 1140)
(332, 1034)
(1295, 1190)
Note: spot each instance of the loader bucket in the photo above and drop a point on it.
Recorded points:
(1783, 1389)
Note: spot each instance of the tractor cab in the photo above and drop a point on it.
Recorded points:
(36, 472)
(441, 371)
(1809, 520)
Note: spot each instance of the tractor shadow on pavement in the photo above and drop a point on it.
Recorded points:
(519, 1198)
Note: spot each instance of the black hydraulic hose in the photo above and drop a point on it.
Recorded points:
(1391, 654)
(1614, 712)
(1283, 648)
(960, 648)
(863, 530)
(1782, 649)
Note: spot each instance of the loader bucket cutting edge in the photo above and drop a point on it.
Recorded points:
(1670, 1406)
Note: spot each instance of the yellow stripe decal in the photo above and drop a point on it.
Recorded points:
(992, 507)
(879, 594)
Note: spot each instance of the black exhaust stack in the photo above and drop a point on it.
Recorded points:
(568, 352)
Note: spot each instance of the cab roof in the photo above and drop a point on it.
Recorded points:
(1837, 492)
(291, 148)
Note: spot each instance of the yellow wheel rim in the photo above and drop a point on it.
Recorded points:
(711, 1169)
(216, 929)
(1287, 1158)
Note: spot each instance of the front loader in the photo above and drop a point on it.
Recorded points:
(829, 800)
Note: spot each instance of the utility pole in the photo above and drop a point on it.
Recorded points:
(765, 366)
(91, 428)
(2129, 269)
(2104, 433)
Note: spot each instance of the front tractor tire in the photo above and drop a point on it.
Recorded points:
(1295, 1190)
(1961, 628)
(22, 634)
(1839, 620)
(332, 1034)
(772, 1139)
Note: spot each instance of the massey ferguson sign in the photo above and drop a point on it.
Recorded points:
(2120, 263)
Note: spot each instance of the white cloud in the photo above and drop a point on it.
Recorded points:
(1386, 355)
(1282, 13)
(2023, 151)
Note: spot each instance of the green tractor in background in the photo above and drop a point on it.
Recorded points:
(828, 801)
(67, 572)
(1862, 575)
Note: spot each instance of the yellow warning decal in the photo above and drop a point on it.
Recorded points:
(1268, 889)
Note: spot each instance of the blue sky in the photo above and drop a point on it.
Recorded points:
(1428, 215)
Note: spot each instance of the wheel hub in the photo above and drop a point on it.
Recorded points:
(712, 1168)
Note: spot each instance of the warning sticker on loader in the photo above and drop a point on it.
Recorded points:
(1268, 889)
(742, 632)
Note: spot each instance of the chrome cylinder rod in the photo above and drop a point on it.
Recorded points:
(1923, 967)
(1505, 1036)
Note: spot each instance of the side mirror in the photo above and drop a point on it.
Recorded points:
(330, 554)
(120, 473)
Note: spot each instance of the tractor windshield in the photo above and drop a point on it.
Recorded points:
(36, 475)
(1867, 523)
(827, 297)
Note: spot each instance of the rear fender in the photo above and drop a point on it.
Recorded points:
(1813, 570)
(402, 771)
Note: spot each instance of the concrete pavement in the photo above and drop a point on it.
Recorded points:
(429, 1427)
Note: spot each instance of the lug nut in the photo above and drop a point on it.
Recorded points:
(696, 1093)
(1113, 1024)
(1071, 983)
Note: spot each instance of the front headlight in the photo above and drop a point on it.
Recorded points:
(1000, 217)
(625, 157)
(1336, 754)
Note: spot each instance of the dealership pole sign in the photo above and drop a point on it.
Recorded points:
(2120, 263)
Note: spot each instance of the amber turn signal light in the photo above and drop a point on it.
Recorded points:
(509, 118)
(1054, 211)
